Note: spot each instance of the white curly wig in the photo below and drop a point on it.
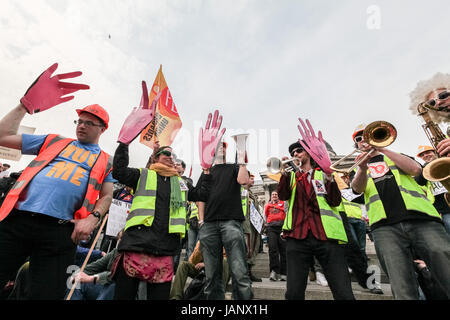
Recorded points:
(423, 88)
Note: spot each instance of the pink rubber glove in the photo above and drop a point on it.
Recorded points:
(316, 147)
(139, 118)
(46, 92)
(209, 138)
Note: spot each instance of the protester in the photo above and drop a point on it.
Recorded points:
(157, 218)
(252, 238)
(4, 173)
(401, 217)
(313, 226)
(61, 196)
(275, 216)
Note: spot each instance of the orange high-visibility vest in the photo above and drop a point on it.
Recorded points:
(51, 148)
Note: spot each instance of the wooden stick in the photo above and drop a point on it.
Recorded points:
(88, 256)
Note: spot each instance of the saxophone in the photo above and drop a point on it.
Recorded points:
(437, 170)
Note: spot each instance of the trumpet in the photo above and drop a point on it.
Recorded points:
(275, 165)
(378, 134)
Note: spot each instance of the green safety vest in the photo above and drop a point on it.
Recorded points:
(330, 217)
(413, 195)
(142, 211)
(194, 214)
(244, 201)
(351, 209)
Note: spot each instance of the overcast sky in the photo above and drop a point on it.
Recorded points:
(262, 63)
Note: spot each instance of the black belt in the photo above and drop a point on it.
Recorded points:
(42, 216)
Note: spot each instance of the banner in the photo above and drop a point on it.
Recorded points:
(118, 212)
(14, 154)
(255, 218)
(167, 122)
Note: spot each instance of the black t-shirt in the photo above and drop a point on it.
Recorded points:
(224, 201)
(439, 200)
(392, 200)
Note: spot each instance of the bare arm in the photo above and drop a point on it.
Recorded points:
(243, 175)
(404, 163)
(9, 126)
(84, 227)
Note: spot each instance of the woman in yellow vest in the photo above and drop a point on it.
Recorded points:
(401, 217)
(313, 226)
(155, 224)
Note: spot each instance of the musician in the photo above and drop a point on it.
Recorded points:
(306, 234)
(435, 94)
(401, 218)
(435, 190)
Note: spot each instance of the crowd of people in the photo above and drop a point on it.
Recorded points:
(316, 227)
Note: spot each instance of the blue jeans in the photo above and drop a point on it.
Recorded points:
(192, 241)
(358, 230)
(90, 291)
(446, 219)
(213, 237)
(394, 245)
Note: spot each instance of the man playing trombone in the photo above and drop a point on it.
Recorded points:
(313, 226)
(404, 223)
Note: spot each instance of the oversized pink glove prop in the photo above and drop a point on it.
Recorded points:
(315, 147)
(209, 138)
(139, 118)
(46, 92)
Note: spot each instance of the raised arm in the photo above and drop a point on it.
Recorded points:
(9, 126)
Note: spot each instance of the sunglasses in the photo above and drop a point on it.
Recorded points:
(298, 150)
(441, 96)
(166, 153)
(358, 139)
(87, 123)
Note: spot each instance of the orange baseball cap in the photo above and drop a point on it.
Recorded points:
(97, 111)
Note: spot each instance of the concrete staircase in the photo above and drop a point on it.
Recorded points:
(275, 290)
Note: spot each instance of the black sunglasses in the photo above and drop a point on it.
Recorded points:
(298, 150)
(166, 153)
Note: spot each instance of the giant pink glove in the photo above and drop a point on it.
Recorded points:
(139, 118)
(315, 147)
(208, 140)
(46, 92)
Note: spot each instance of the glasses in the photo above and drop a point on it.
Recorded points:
(358, 139)
(166, 153)
(298, 150)
(441, 96)
(87, 123)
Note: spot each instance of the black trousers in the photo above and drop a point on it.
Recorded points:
(300, 255)
(277, 250)
(48, 245)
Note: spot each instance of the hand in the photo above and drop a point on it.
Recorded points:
(139, 118)
(315, 147)
(363, 165)
(83, 228)
(46, 92)
(209, 139)
(199, 266)
(443, 148)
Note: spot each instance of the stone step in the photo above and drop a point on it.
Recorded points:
(275, 290)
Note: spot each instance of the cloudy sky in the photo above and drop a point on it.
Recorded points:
(262, 63)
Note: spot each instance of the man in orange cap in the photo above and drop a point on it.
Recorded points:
(60, 197)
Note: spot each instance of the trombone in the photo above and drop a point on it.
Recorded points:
(378, 134)
(275, 165)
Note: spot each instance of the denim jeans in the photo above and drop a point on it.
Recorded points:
(358, 230)
(394, 245)
(192, 241)
(446, 220)
(300, 255)
(228, 234)
(90, 291)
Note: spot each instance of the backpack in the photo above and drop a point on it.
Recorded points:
(196, 289)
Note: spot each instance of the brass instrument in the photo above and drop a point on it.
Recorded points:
(437, 170)
(378, 134)
(275, 165)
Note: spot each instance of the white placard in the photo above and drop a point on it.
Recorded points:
(255, 218)
(437, 188)
(349, 195)
(118, 212)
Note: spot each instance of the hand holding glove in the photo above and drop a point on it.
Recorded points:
(46, 91)
(315, 146)
(139, 118)
(209, 139)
